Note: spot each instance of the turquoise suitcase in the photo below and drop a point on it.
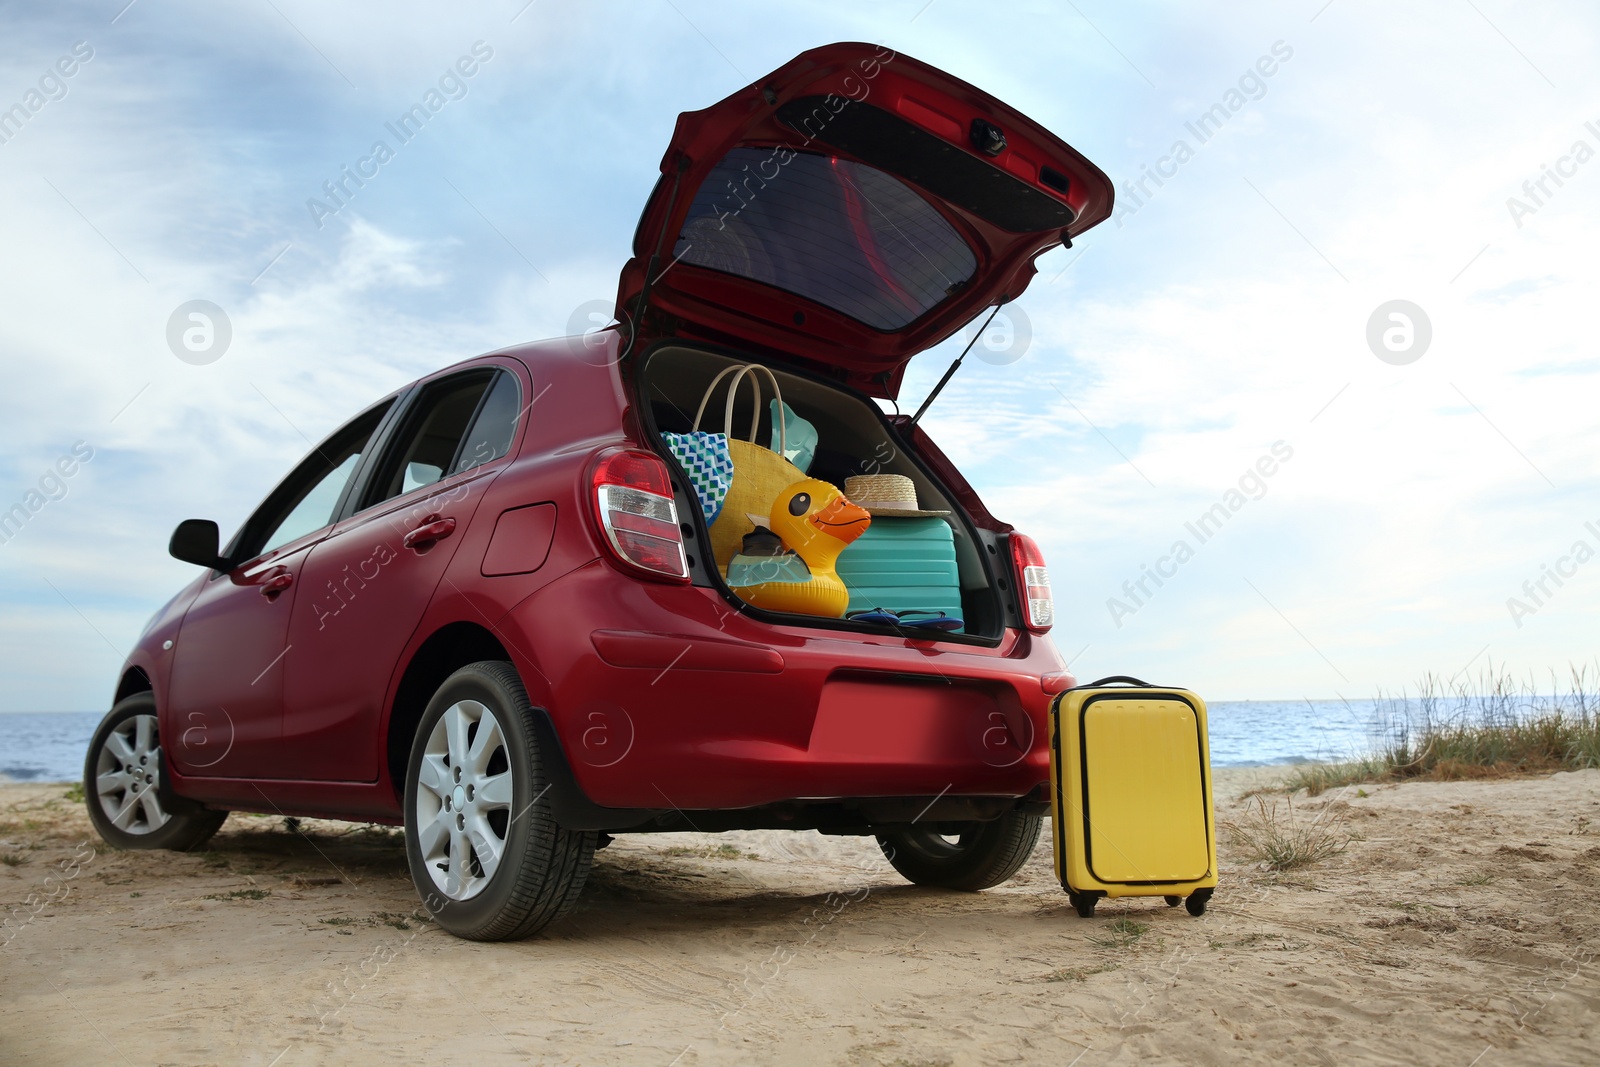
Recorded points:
(903, 564)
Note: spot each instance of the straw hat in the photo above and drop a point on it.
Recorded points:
(886, 495)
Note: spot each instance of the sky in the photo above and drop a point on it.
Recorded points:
(1232, 319)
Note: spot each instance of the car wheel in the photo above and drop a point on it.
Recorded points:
(125, 787)
(970, 855)
(485, 852)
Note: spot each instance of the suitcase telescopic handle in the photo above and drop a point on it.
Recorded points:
(1123, 678)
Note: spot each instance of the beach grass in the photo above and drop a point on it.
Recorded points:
(1495, 726)
(1121, 932)
(1284, 841)
(240, 894)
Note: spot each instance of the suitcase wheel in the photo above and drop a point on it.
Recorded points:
(1084, 902)
(1173, 902)
(1197, 901)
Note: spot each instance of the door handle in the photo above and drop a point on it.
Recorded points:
(429, 532)
(276, 584)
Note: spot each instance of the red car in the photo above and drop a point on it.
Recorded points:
(486, 608)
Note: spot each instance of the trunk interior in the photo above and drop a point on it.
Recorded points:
(853, 438)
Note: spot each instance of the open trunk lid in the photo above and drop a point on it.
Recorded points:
(849, 210)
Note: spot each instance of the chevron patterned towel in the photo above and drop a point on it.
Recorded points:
(705, 459)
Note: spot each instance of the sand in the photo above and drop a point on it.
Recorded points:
(1459, 927)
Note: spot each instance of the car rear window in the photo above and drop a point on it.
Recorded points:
(834, 231)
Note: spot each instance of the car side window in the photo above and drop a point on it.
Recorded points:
(315, 509)
(304, 502)
(495, 425)
(456, 424)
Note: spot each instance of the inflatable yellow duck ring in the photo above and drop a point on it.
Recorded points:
(787, 564)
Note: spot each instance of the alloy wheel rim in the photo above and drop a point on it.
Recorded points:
(127, 776)
(464, 794)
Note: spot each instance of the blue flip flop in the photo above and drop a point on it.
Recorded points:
(877, 616)
(940, 621)
(884, 617)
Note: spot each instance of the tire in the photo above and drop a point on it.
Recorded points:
(983, 855)
(125, 785)
(1083, 903)
(486, 855)
(1196, 904)
(1173, 902)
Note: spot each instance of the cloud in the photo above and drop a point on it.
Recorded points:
(1228, 313)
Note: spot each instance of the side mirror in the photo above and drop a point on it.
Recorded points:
(196, 541)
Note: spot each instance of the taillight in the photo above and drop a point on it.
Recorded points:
(634, 506)
(1033, 584)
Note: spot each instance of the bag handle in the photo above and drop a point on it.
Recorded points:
(740, 372)
(1123, 678)
(712, 388)
(753, 372)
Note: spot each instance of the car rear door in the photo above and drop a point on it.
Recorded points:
(368, 584)
(849, 210)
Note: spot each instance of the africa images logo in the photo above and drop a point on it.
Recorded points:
(452, 85)
(1537, 592)
(1251, 86)
(1210, 522)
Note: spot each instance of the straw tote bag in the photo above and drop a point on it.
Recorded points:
(759, 474)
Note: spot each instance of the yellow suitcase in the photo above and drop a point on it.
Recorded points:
(1131, 809)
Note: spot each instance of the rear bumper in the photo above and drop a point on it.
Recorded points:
(663, 698)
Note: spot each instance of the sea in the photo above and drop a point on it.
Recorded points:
(50, 746)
